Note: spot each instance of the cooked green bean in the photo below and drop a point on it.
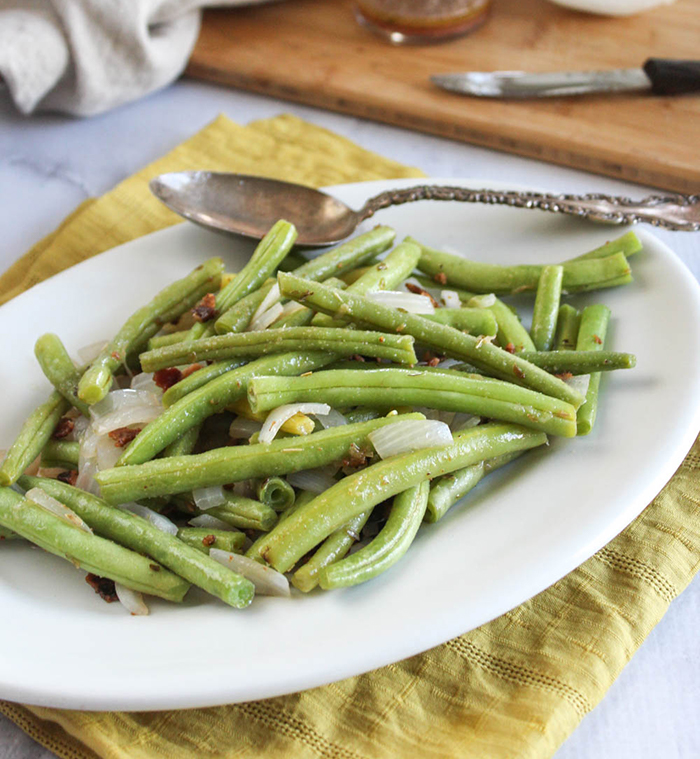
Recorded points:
(168, 305)
(238, 317)
(581, 362)
(232, 464)
(448, 391)
(303, 316)
(35, 433)
(87, 551)
(158, 341)
(511, 332)
(477, 321)
(59, 369)
(503, 280)
(244, 513)
(628, 244)
(307, 527)
(210, 399)
(547, 300)
(304, 497)
(7, 534)
(388, 547)
(568, 321)
(185, 444)
(447, 490)
(333, 548)
(60, 453)
(445, 340)
(203, 539)
(591, 337)
(276, 493)
(141, 536)
(198, 379)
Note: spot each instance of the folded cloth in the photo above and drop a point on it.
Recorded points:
(87, 56)
(512, 689)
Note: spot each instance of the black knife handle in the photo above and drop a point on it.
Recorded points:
(669, 77)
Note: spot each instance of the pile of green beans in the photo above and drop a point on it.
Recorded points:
(371, 365)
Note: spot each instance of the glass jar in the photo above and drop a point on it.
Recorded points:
(420, 21)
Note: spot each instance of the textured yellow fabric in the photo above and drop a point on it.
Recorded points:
(515, 687)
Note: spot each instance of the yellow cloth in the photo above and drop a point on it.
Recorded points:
(515, 687)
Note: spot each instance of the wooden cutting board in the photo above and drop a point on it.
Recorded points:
(312, 51)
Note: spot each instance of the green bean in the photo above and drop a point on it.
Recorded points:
(35, 433)
(510, 330)
(292, 261)
(238, 317)
(504, 280)
(276, 493)
(87, 551)
(7, 534)
(59, 369)
(181, 474)
(303, 316)
(169, 304)
(303, 498)
(198, 379)
(333, 548)
(357, 415)
(581, 362)
(141, 536)
(628, 244)
(489, 398)
(341, 342)
(388, 547)
(311, 524)
(60, 453)
(385, 275)
(591, 336)
(547, 300)
(568, 321)
(445, 340)
(446, 491)
(202, 539)
(158, 341)
(477, 321)
(245, 513)
(210, 399)
(185, 444)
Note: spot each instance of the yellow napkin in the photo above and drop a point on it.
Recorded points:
(515, 687)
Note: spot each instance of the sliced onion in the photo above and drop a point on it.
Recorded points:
(463, 421)
(292, 307)
(43, 499)
(33, 469)
(131, 600)
(144, 381)
(275, 419)
(267, 581)
(580, 382)
(80, 426)
(120, 408)
(314, 480)
(332, 419)
(88, 353)
(481, 301)
(266, 318)
(208, 498)
(410, 435)
(409, 302)
(156, 519)
(245, 488)
(242, 428)
(268, 301)
(210, 522)
(437, 414)
(86, 477)
(108, 452)
(451, 299)
(448, 363)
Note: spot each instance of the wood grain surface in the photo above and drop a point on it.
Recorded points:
(313, 52)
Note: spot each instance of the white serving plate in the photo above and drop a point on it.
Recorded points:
(523, 529)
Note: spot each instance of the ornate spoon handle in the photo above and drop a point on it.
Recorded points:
(678, 212)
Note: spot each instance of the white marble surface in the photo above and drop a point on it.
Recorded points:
(49, 164)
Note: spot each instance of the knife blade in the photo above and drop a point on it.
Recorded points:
(658, 76)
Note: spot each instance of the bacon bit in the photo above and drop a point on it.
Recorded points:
(70, 476)
(401, 327)
(434, 361)
(63, 428)
(597, 340)
(123, 435)
(103, 586)
(382, 339)
(166, 378)
(510, 348)
(418, 290)
(518, 372)
(208, 540)
(355, 457)
(115, 355)
(155, 567)
(357, 357)
(205, 310)
(191, 369)
(564, 376)
(441, 278)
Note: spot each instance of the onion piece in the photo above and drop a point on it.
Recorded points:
(121, 408)
(277, 417)
(242, 428)
(210, 522)
(266, 318)
(208, 498)
(267, 581)
(314, 480)
(268, 301)
(410, 435)
(448, 363)
(451, 299)
(463, 421)
(50, 504)
(131, 600)
(86, 477)
(437, 414)
(332, 419)
(108, 452)
(292, 307)
(157, 520)
(144, 381)
(481, 301)
(409, 302)
(580, 382)
(88, 353)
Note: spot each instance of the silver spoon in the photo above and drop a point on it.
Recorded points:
(249, 205)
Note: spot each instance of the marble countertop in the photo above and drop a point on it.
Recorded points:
(50, 164)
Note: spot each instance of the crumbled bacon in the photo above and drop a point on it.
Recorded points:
(517, 371)
(191, 370)
(69, 476)
(63, 428)
(205, 310)
(441, 278)
(418, 290)
(103, 586)
(166, 378)
(510, 348)
(434, 361)
(208, 540)
(123, 436)
(564, 375)
(597, 340)
(355, 458)
(357, 357)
